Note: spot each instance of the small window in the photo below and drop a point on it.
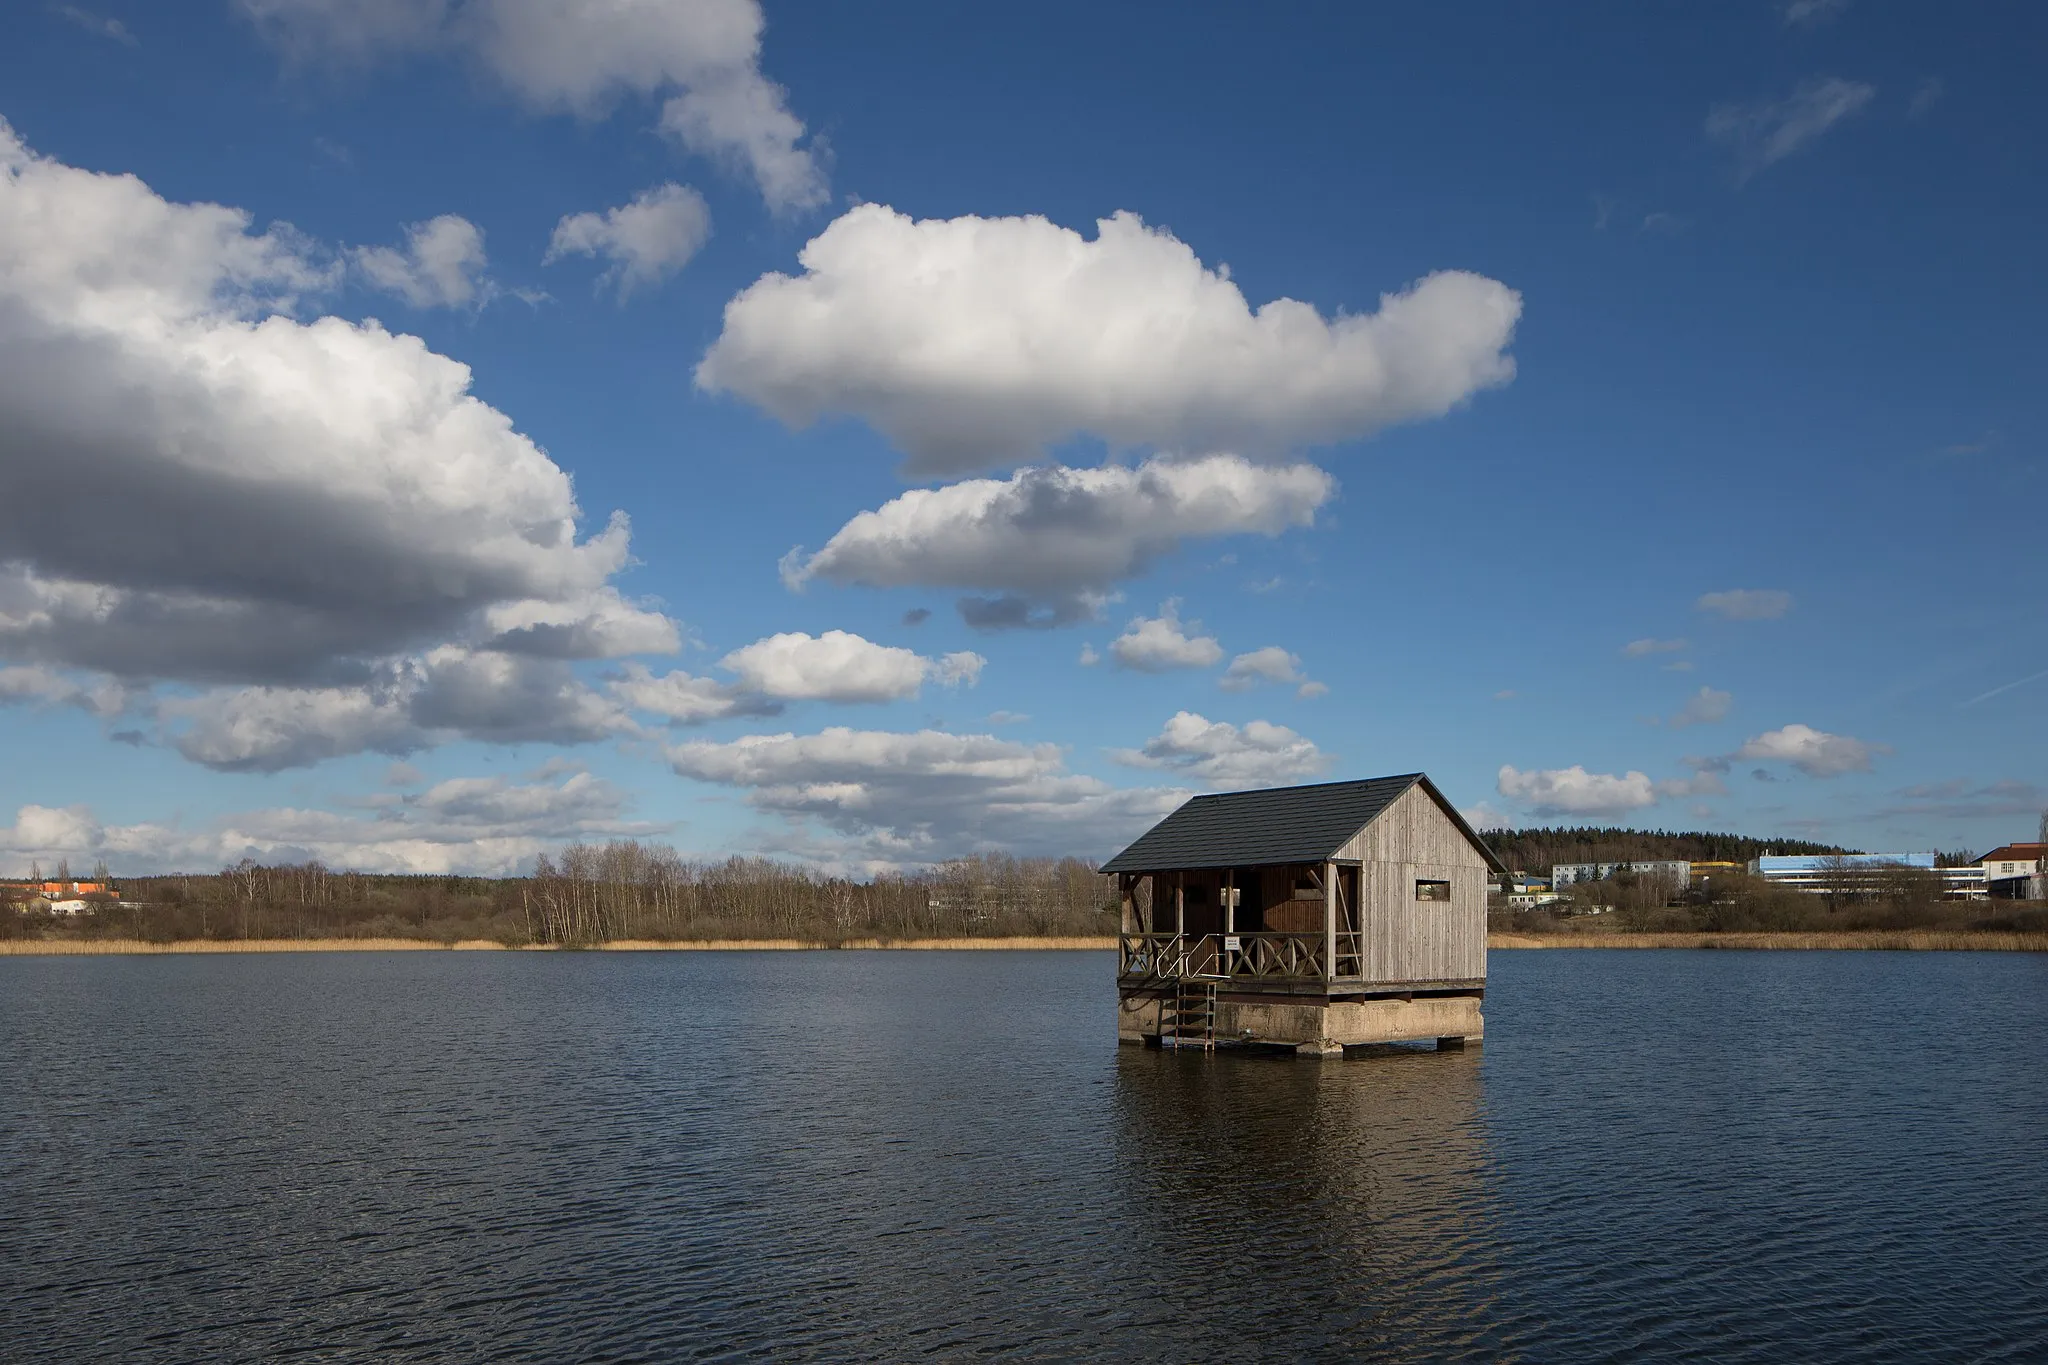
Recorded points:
(1432, 891)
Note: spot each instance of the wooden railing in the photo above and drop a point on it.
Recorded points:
(1238, 957)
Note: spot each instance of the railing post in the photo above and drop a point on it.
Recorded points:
(1329, 921)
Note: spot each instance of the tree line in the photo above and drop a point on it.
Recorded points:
(591, 893)
(1539, 850)
(1850, 896)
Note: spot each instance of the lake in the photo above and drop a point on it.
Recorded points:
(888, 1155)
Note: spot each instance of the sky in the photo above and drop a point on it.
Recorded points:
(434, 431)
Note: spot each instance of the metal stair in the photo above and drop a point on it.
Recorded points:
(1189, 1019)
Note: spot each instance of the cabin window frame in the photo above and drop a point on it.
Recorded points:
(1432, 891)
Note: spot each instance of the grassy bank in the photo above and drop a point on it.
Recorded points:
(1906, 940)
(22, 947)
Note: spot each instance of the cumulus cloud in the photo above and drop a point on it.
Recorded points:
(1048, 545)
(318, 511)
(1747, 604)
(441, 264)
(907, 798)
(646, 241)
(844, 667)
(414, 704)
(1761, 132)
(481, 825)
(1219, 754)
(36, 685)
(1157, 644)
(683, 699)
(1574, 791)
(1813, 752)
(977, 342)
(1703, 707)
(582, 57)
(1270, 664)
(1639, 649)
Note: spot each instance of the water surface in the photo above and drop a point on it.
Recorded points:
(1824, 1156)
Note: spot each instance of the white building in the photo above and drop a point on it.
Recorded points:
(2016, 872)
(1823, 873)
(1677, 872)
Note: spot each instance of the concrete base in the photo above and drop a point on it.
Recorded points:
(1323, 1027)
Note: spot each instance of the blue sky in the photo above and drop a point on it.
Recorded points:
(1649, 431)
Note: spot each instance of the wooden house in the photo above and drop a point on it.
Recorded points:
(1313, 917)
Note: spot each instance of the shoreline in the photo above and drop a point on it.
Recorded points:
(118, 947)
(1883, 940)
(1880, 940)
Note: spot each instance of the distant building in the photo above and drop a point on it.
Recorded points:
(1675, 871)
(1822, 874)
(2016, 872)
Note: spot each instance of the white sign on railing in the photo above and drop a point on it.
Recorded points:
(1231, 943)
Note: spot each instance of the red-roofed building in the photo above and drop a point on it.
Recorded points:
(2016, 872)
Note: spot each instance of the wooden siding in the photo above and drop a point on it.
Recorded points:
(1407, 939)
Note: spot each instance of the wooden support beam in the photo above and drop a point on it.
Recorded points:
(1329, 921)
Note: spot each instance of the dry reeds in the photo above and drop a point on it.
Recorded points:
(1897, 940)
(28, 947)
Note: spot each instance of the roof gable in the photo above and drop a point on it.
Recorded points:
(1276, 825)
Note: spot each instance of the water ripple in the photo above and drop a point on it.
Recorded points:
(873, 1156)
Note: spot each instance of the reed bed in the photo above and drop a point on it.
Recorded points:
(131, 946)
(1895, 940)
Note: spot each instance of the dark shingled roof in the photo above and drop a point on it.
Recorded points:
(1278, 825)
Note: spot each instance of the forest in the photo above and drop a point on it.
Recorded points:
(1539, 850)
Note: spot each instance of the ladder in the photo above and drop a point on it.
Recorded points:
(1189, 1019)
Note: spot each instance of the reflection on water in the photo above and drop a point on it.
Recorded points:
(1302, 1202)
(882, 1156)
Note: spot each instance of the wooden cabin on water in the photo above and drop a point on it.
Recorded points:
(1313, 917)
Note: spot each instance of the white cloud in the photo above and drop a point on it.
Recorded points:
(1485, 815)
(1574, 791)
(1007, 718)
(646, 241)
(96, 24)
(906, 798)
(1219, 754)
(843, 667)
(1157, 644)
(683, 699)
(38, 685)
(488, 826)
(582, 57)
(1811, 13)
(1638, 649)
(1813, 752)
(414, 704)
(320, 510)
(1050, 544)
(1747, 604)
(1270, 664)
(594, 625)
(1703, 708)
(1926, 95)
(441, 265)
(977, 342)
(1761, 132)
(1089, 658)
